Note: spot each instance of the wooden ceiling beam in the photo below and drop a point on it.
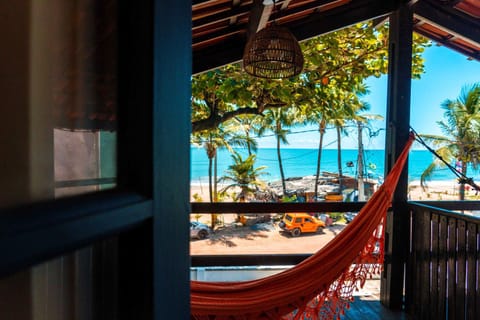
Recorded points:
(235, 4)
(197, 3)
(470, 8)
(449, 20)
(231, 50)
(234, 12)
(448, 43)
(225, 52)
(343, 16)
(218, 34)
(450, 3)
(318, 5)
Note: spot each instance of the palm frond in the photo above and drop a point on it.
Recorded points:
(427, 174)
(446, 155)
(436, 140)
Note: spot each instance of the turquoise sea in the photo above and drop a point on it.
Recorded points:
(302, 162)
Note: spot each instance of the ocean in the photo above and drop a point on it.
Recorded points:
(302, 162)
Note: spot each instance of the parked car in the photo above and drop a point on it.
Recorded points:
(298, 223)
(199, 230)
(349, 216)
(325, 218)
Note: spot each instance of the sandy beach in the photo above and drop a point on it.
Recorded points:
(233, 238)
(434, 190)
(439, 190)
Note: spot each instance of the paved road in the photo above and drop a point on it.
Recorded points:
(244, 240)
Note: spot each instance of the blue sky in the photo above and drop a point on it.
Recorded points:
(446, 72)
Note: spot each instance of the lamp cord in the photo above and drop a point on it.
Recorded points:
(274, 23)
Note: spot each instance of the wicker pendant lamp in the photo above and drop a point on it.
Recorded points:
(273, 53)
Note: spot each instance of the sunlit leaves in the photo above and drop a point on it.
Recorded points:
(461, 127)
(335, 65)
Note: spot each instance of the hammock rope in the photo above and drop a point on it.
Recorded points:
(321, 286)
(462, 178)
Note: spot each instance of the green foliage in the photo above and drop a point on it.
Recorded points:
(243, 175)
(287, 199)
(461, 126)
(197, 197)
(279, 121)
(337, 216)
(226, 136)
(223, 195)
(336, 65)
(327, 92)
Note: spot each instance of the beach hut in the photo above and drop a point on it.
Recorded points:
(123, 253)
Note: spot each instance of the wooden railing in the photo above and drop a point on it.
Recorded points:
(443, 268)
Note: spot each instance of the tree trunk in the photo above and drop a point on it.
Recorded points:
(240, 216)
(360, 168)
(249, 148)
(461, 191)
(319, 157)
(213, 217)
(339, 158)
(280, 165)
(215, 167)
(210, 184)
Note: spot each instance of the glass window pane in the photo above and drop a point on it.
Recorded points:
(65, 287)
(84, 161)
(59, 98)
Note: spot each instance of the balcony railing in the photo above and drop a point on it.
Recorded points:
(443, 268)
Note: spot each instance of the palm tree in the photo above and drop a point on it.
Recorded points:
(339, 128)
(276, 120)
(320, 114)
(243, 175)
(343, 114)
(337, 112)
(249, 124)
(227, 137)
(348, 110)
(461, 128)
(322, 126)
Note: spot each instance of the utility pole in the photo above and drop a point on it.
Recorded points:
(360, 168)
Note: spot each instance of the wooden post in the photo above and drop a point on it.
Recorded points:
(398, 118)
(171, 158)
(154, 120)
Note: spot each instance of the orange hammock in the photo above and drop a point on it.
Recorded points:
(319, 287)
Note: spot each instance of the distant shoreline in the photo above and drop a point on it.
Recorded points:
(430, 183)
(303, 162)
(435, 190)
